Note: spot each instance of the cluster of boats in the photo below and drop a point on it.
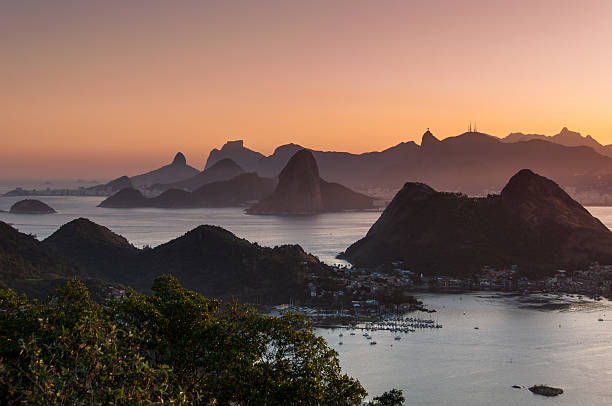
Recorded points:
(402, 325)
(395, 325)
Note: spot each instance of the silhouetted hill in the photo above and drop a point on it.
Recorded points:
(125, 198)
(132, 198)
(173, 199)
(533, 223)
(208, 259)
(177, 171)
(24, 257)
(224, 169)
(31, 206)
(300, 190)
(238, 191)
(31, 267)
(95, 250)
(215, 262)
(117, 184)
(235, 150)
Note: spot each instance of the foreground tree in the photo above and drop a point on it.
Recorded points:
(394, 397)
(173, 347)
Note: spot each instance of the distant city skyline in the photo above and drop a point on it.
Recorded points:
(111, 88)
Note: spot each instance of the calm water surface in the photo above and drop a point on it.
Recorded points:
(324, 235)
(455, 365)
(458, 365)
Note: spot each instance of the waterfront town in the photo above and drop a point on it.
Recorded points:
(391, 284)
(356, 294)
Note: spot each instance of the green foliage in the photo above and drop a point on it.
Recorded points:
(394, 397)
(173, 347)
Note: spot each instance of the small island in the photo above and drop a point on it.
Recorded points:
(31, 206)
(545, 390)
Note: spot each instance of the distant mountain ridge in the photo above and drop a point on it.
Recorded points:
(564, 137)
(472, 162)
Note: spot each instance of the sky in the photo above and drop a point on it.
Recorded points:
(102, 89)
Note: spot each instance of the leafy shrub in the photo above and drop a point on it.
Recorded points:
(173, 347)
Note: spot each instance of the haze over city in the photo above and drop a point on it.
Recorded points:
(110, 88)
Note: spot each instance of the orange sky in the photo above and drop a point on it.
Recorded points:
(112, 88)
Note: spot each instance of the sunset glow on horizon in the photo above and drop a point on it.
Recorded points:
(111, 88)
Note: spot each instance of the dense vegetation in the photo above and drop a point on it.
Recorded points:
(207, 259)
(24, 257)
(172, 347)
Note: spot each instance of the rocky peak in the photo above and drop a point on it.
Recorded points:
(428, 139)
(233, 145)
(179, 159)
(537, 200)
(416, 190)
(566, 133)
(301, 167)
(300, 190)
(288, 148)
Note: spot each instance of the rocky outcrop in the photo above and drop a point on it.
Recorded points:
(533, 223)
(545, 390)
(31, 206)
(300, 190)
(179, 159)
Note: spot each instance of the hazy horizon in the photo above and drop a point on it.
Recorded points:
(142, 163)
